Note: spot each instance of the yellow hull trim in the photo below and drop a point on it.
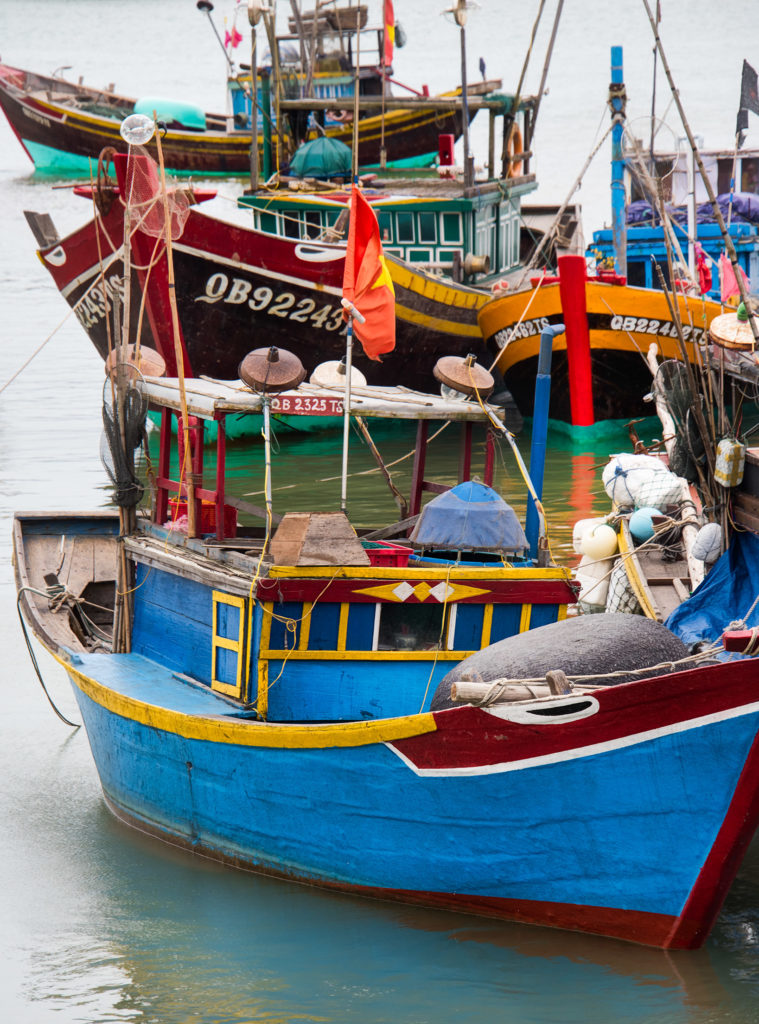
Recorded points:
(250, 733)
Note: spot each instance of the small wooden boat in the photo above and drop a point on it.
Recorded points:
(659, 576)
(269, 702)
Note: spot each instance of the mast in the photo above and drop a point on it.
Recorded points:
(617, 99)
(705, 178)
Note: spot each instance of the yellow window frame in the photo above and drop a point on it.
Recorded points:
(225, 643)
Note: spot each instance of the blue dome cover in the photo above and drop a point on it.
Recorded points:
(469, 517)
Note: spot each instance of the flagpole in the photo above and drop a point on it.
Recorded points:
(352, 313)
(356, 88)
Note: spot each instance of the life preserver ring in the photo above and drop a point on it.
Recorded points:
(515, 151)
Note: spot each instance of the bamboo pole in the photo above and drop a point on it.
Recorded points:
(178, 353)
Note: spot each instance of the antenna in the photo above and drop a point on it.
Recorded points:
(205, 6)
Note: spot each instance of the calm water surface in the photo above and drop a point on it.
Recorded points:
(97, 923)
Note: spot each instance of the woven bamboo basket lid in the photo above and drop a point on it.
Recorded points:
(733, 330)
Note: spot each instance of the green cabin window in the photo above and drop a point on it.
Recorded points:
(268, 223)
(385, 222)
(405, 224)
(427, 228)
(451, 228)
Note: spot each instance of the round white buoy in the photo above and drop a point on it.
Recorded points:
(642, 523)
(581, 527)
(599, 542)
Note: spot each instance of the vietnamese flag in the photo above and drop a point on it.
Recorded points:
(366, 280)
(389, 19)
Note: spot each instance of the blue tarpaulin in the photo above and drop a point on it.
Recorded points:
(469, 517)
(727, 594)
(742, 207)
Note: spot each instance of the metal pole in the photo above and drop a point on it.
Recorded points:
(619, 227)
(266, 115)
(468, 161)
(346, 414)
(266, 404)
(353, 313)
(253, 112)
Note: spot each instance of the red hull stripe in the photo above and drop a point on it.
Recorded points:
(588, 750)
(470, 737)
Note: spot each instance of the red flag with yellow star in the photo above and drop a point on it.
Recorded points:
(366, 280)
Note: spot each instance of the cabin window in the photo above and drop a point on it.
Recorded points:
(405, 226)
(750, 174)
(451, 227)
(385, 222)
(427, 227)
(636, 273)
(419, 255)
(268, 223)
(485, 236)
(227, 643)
(404, 627)
(446, 256)
(291, 225)
(312, 224)
(506, 246)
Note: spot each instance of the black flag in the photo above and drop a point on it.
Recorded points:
(749, 92)
(749, 101)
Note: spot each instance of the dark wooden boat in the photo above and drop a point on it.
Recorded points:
(267, 276)
(63, 126)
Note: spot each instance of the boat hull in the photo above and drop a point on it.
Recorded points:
(623, 321)
(57, 135)
(238, 289)
(583, 815)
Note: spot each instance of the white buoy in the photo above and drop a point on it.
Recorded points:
(581, 527)
(599, 542)
(708, 543)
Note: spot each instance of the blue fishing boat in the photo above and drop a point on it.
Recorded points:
(405, 713)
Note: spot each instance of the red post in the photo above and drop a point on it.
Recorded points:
(572, 278)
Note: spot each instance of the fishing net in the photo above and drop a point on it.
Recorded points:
(146, 208)
(125, 409)
(671, 383)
